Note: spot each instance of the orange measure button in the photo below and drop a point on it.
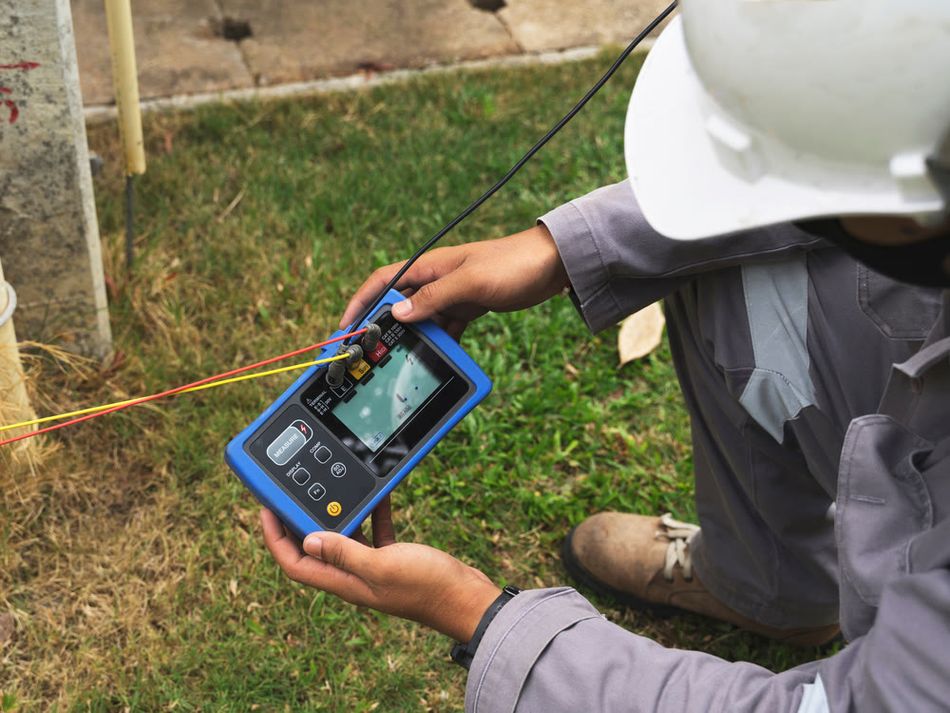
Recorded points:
(334, 508)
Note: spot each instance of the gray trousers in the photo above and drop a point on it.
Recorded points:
(766, 475)
(767, 544)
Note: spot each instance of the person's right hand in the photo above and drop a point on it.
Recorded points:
(402, 578)
(456, 285)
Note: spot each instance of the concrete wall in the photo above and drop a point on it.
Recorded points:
(49, 237)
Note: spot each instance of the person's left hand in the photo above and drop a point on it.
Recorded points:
(409, 580)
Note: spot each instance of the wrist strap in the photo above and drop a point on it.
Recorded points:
(464, 654)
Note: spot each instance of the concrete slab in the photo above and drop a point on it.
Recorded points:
(294, 41)
(539, 25)
(176, 47)
(181, 49)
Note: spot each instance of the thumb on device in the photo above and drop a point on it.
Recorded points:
(338, 551)
(430, 299)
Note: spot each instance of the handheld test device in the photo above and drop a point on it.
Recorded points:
(337, 441)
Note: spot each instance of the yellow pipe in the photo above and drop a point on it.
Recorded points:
(122, 47)
(14, 401)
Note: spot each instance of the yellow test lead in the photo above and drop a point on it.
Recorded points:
(192, 389)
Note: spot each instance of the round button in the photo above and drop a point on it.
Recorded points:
(338, 470)
(334, 508)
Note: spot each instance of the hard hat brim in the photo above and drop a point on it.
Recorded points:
(687, 191)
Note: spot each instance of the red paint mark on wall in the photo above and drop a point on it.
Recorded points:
(21, 65)
(9, 103)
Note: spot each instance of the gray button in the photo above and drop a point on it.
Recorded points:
(338, 470)
(289, 442)
(323, 454)
(301, 476)
(317, 491)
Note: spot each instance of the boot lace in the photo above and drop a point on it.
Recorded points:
(679, 534)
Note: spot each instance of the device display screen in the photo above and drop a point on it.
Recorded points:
(397, 391)
(389, 405)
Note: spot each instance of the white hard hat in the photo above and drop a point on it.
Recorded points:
(753, 112)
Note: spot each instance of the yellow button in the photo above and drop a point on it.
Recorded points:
(359, 369)
(334, 508)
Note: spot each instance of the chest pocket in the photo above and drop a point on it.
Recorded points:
(898, 311)
(883, 503)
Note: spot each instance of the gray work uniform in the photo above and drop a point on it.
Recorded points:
(785, 348)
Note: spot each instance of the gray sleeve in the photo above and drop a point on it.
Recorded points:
(549, 650)
(618, 264)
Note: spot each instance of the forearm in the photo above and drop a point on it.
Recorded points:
(617, 264)
(551, 650)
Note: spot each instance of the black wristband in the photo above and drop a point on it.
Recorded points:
(464, 654)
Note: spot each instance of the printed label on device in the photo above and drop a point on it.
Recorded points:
(286, 445)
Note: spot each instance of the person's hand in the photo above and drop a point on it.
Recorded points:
(456, 285)
(409, 580)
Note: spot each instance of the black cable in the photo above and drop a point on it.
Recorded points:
(129, 224)
(521, 162)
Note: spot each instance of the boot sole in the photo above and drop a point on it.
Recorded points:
(577, 572)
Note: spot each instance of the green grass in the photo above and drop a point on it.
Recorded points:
(132, 559)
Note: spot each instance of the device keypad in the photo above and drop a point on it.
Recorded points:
(321, 475)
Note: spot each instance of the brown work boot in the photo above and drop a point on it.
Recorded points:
(644, 562)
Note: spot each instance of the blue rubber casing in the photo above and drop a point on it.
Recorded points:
(299, 521)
